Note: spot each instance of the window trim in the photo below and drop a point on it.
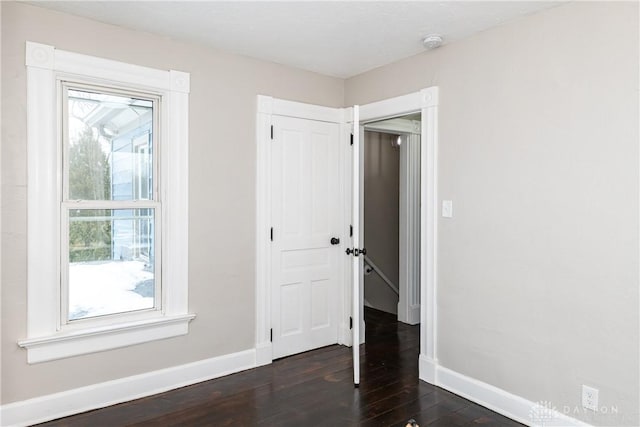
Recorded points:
(45, 66)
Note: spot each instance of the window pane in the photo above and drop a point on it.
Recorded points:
(111, 261)
(110, 147)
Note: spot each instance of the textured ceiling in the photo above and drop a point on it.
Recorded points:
(337, 38)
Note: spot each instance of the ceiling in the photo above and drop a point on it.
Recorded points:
(336, 38)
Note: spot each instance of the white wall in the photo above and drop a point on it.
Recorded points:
(222, 193)
(538, 269)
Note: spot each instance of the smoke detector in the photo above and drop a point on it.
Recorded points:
(432, 41)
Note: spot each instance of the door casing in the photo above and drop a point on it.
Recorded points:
(424, 101)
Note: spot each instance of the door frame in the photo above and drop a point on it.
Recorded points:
(267, 107)
(426, 102)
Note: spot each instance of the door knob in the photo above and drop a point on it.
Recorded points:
(356, 251)
(335, 241)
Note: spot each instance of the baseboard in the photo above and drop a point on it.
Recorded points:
(427, 369)
(498, 400)
(414, 315)
(57, 405)
(344, 335)
(411, 316)
(264, 354)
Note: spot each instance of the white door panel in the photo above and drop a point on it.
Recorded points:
(305, 216)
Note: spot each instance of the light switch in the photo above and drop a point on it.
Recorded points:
(447, 209)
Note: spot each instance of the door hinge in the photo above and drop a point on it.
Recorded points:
(351, 231)
(350, 322)
(271, 335)
(271, 234)
(271, 131)
(351, 139)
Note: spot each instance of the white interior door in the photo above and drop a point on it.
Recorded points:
(356, 265)
(306, 215)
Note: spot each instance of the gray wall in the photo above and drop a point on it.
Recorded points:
(538, 149)
(381, 217)
(222, 193)
(538, 270)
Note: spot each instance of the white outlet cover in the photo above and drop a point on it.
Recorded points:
(589, 398)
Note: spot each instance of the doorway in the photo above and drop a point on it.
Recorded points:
(391, 181)
(350, 299)
(425, 103)
(381, 226)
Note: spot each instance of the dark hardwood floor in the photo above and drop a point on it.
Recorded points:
(310, 389)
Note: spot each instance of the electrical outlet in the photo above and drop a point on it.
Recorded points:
(589, 398)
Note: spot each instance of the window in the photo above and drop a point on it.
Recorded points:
(109, 203)
(108, 213)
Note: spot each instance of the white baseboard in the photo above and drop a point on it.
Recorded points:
(57, 405)
(414, 315)
(498, 400)
(264, 354)
(410, 316)
(344, 335)
(427, 369)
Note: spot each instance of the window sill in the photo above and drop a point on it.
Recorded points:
(91, 340)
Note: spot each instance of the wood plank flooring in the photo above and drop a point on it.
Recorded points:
(310, 389)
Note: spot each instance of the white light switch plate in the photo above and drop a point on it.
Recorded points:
(447, 209)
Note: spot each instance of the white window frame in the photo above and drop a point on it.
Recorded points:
(67, 204)
(48, 338)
